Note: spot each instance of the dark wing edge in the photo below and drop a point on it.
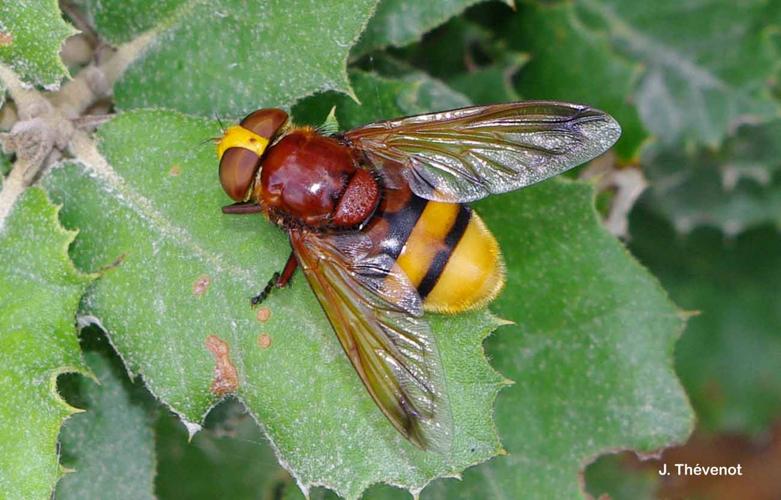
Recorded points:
(466, 154)
(377, 316)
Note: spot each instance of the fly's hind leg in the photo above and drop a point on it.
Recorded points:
(278, 280)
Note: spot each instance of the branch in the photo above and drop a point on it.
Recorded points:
(29, 102)
(627, 184)
(46, 127)
(96, 81)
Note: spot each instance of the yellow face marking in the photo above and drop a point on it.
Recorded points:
(240, 137)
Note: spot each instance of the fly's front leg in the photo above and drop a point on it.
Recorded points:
(277, 280)
(242, 208)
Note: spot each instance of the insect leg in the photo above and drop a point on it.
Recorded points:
(242, 208)
(257, 299)
(277, 280)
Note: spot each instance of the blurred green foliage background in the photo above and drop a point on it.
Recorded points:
(696, 87)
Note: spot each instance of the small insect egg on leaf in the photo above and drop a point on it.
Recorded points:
(264, 341)
(263, 314)
(200, 285)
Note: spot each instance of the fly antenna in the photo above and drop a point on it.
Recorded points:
(215, 139)
(219, 121)
(210, 139)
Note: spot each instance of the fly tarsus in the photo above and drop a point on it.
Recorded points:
(257, 299)
(278, 280)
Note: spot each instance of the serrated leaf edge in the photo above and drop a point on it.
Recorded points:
(89, 158)
(679, 313)
(416, 38)
(66, 33)
(67, 236)
(151, 36)
(492, 323)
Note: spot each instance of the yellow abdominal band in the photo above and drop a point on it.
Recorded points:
(452, 259)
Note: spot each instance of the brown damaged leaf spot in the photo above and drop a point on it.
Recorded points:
(6, 39)
(264, 341)
(201, 285)
(117, 262)
(175, 171)
(263, 314)
(226, 378)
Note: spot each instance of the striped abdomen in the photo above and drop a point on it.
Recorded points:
(445, 250)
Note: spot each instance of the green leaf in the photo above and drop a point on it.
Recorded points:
(383, 97)
(229, 458)
(184, 281)
(571, 63)
(31, 35)
(471, 60)
(591, 354)
(729, 357)
(706, 66)
(119, 21)
(612, 477)
(377, 492)
(37, 343)
(452, 47)
(399, 22)
(491, 83)
(692, 70)
(110, 447)
(229, 57)
(733, 188)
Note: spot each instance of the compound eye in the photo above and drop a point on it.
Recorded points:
(238, 167)
(265, 122)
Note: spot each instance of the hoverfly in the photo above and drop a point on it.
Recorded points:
(377, 219)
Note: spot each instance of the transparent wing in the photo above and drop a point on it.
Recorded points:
(466, 154)
(378, 317)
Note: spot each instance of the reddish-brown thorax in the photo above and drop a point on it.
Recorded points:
(314, 179)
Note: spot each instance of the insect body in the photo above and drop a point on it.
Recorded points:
(444, 249)
(377, 221)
